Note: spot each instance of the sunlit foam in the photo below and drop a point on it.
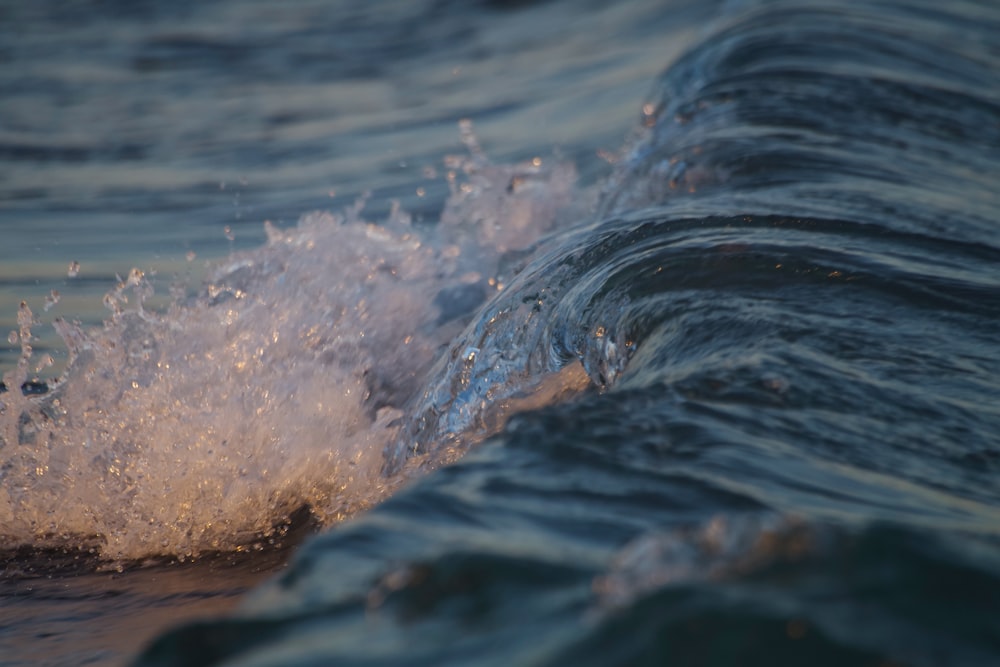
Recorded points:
(205, 426)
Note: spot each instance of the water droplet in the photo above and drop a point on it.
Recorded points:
(74, 269)
(24, 319)
(190, 255)
(111, 300)
(12, 338)
(228, 231)
(134, 277)
(45, 362)
(51, 300)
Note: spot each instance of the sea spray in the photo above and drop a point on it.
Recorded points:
(206, 426)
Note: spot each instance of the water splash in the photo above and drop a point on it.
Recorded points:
(208, 425)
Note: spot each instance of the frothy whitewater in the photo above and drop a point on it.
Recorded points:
(282, 385)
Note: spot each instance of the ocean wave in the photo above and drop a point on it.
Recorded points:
(773, 349)
(207, 426)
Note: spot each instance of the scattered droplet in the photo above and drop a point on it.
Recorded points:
(24, 318)
(220, 364)
(44, 362)
(51, 300)
(134, 277)
(111, 301)
(12, 338)
(74, 269)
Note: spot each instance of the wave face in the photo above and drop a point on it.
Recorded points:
(800, 237)
(755, 393)
(786, 314)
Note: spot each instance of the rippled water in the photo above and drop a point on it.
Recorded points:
(731, 399)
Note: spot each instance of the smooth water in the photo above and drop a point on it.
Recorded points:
(727, 395)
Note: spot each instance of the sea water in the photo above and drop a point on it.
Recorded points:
(144, 147)
(569, 360)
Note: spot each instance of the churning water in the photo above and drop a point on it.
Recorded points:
(728, 395)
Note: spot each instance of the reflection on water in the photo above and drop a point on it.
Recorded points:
(77, 616)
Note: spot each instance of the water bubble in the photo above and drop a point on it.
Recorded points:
(74, 269)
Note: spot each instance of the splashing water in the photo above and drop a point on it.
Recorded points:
(207, 426)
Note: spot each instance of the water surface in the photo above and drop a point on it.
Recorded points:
(726, 395)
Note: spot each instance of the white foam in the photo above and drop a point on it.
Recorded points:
(204, 426)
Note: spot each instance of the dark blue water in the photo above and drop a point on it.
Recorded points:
(788, 308)
(745, 409)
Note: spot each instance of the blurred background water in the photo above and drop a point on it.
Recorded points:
(137, 133)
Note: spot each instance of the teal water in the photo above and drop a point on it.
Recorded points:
(693, 365)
